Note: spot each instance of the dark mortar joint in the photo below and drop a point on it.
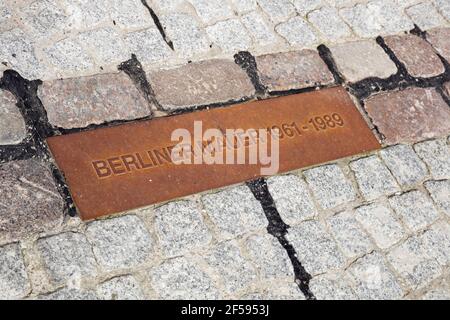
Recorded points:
(38, 128)
(158, 24)
(327, 57)
(133, 68)
(401, 80)
(278, 228)
(247, 62)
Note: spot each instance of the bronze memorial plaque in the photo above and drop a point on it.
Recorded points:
(115, 169)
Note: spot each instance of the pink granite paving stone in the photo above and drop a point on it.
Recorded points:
(293, 70)
(79, 102)
(416, 54)
(410, 115)
(439, 39)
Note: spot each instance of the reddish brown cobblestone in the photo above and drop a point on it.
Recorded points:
(79, 102)
(29, 200)
(12, 126)
(410, 115)
(439, 38)
(417, 55)
(202, 83)
(293, 70)
(447, 88)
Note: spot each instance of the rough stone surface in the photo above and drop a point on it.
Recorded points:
(292, 198)
(181, 279)
(404, 164)
(305, 6)
(13, 276)
(376, 18)
(382, 225)
(259, 29)
(283, 291)
(121, 288)
(67, 256)
(293, 70)
(315, 248)
(439, 39)
(443, 7)
(329, 23)
(280, 290)
(332, 287)
(410, 115)
(79, 102)
(374, 280)
(447, 88)
(180, 228)
(12, 125)
(425, 16)
(415, 208)
(413, 263)
(67, 55)
(148, 45)
(120, 242)
(353, 241)
(436, 155)
(373, 178)
(129, 14)
(416, 54)
(440, 192)
(202, 83)
(231, 36)
(297, 32)
(70, 294)
(29, 200)
(269, 257)
(330, 186)
(44, 17)
(235, 212)
(186, 34)
(362, 59)
(17, 50)
(212, 10)
(244, 5)
(236, 272)
(277, 10)
(436, 242)
(107, 44)
(437, 294)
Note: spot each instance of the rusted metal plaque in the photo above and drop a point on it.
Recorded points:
(115, 169)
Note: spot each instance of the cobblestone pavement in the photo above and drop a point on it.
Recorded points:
(373, 226)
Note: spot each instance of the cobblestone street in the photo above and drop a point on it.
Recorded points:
(370, 226)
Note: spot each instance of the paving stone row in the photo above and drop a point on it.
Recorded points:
(367, 234)
(54, 39)
(114, 96)
(111, 97)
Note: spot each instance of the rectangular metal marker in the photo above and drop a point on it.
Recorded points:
(116, 169)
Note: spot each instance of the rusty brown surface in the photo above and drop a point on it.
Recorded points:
(101, 192)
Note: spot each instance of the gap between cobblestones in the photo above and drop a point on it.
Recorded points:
(401, 80)
(133, 68)
(327, 57)
(247, 62)
(158, 24)
(278, 228)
